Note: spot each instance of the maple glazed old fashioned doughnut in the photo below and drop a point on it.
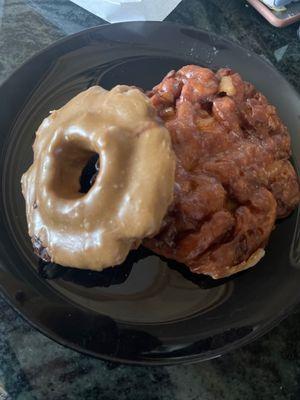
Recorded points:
(130, 195)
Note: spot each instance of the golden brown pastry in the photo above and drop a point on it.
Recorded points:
(233, 174)
(131, 193)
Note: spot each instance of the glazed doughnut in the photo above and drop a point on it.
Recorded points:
(233, 175)
(131, 193)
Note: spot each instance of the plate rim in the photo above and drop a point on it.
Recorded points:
(181, 360)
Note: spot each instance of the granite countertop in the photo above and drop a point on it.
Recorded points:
(33, 366)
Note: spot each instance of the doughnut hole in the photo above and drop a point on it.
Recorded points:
(74, 165)
(89, 173)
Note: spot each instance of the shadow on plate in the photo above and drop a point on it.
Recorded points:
(87, 278)
(119, 274)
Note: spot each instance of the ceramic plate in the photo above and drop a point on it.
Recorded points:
(148, 310)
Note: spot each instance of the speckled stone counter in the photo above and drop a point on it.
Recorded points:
(33, 366)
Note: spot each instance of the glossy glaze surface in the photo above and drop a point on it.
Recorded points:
(96, 228)
(233, 174)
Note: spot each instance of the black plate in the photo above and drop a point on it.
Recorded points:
(149, 311)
